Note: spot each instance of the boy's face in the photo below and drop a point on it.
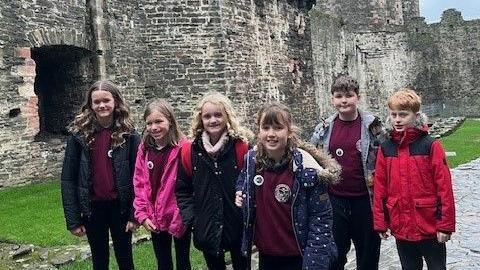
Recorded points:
(345, 102)
(402, 119)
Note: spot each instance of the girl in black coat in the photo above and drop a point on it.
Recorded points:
(96, 182)
(206, 186)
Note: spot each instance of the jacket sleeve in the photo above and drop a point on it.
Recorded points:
(242, 176)
(380, 194)
(184, 194)
(317, 136)
(443, 181)
(69, 183)
(140, 184)
(134, 143)
(320, 250)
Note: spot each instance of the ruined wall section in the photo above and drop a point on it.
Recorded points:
(24, 25)
(458, 44)
(380, 62)
(269, 57)
(371, 15)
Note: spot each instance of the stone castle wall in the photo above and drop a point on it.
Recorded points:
(253, 51)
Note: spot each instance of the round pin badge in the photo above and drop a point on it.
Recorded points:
(110, 153)
(258, 180)
(339, 152)
(150, 164)
(282, 193)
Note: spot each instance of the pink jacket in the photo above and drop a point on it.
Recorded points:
(164, 213)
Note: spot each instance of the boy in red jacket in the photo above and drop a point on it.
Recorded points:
(413, 194)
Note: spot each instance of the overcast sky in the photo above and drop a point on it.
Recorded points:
(432, 9)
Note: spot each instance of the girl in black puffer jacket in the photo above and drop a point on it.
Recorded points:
(97, 189)
(206, 181)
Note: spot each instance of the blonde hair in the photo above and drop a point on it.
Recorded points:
(174, 134)
(275, 113)
(405, 99)
(234, 129)
(86, 123)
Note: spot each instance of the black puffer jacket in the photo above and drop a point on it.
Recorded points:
(77, 184)
(206, 200)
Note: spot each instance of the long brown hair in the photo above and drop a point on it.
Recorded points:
(174, 134)
(86, 123)
(275, 113)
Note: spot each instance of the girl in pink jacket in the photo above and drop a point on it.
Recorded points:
(154, 184)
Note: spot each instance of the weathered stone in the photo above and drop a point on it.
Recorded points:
(21, 250)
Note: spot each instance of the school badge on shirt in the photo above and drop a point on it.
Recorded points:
(282, 193)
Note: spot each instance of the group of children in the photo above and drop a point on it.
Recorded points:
(298, 205)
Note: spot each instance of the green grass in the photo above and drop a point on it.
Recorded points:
(465, 141)
(144, 258)
(33, 214)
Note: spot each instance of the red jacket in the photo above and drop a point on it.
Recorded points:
(413, 194)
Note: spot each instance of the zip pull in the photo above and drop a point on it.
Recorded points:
(215, 164)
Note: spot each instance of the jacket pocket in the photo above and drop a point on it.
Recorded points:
(393, 214)
(425, 211)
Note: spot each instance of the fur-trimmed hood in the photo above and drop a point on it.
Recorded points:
(327, 167)
(420, 123)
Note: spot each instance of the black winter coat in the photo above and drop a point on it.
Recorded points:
(206, 200)
(76, 182)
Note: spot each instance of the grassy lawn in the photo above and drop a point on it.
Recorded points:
(465, 141)
(144, 258)
(33, 214)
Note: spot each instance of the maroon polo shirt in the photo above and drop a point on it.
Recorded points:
(157, 158)
(345, 148)
(102, 167)
(274, 233)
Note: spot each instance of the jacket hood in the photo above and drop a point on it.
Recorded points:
(327, 167)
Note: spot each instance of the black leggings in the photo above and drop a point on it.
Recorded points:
(411, 254)
(106, 217)
(239, 262)
(267, 262)
(162, 245)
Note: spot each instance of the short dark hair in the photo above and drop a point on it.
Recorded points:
(344, 83)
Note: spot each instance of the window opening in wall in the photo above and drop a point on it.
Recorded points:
(14, 113)
(63, 75)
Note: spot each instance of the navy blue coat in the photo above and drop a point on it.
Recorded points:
(311, 211)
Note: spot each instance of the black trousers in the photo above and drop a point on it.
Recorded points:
(162, 245)
(353, 222)
(411, 254)
(239, 262)
(105, 217)
(267, 262)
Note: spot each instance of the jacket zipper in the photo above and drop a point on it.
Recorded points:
(293, 222)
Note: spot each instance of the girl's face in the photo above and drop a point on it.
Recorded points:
(158, 127)
(103, 104)
(214, 119)
(274, 138)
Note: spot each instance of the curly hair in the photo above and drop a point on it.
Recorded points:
(174, 134)
(86, 124)
(275, 113)
(234, 129)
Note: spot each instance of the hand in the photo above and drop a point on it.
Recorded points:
(238, 199)
(149, 226)
(79, 231)
(442, 237)
(384, 235)
(131, 226)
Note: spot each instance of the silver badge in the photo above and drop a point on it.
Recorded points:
(150, 164)
(258, 180)
(110, 153)
(282, 193)
(339, 152)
